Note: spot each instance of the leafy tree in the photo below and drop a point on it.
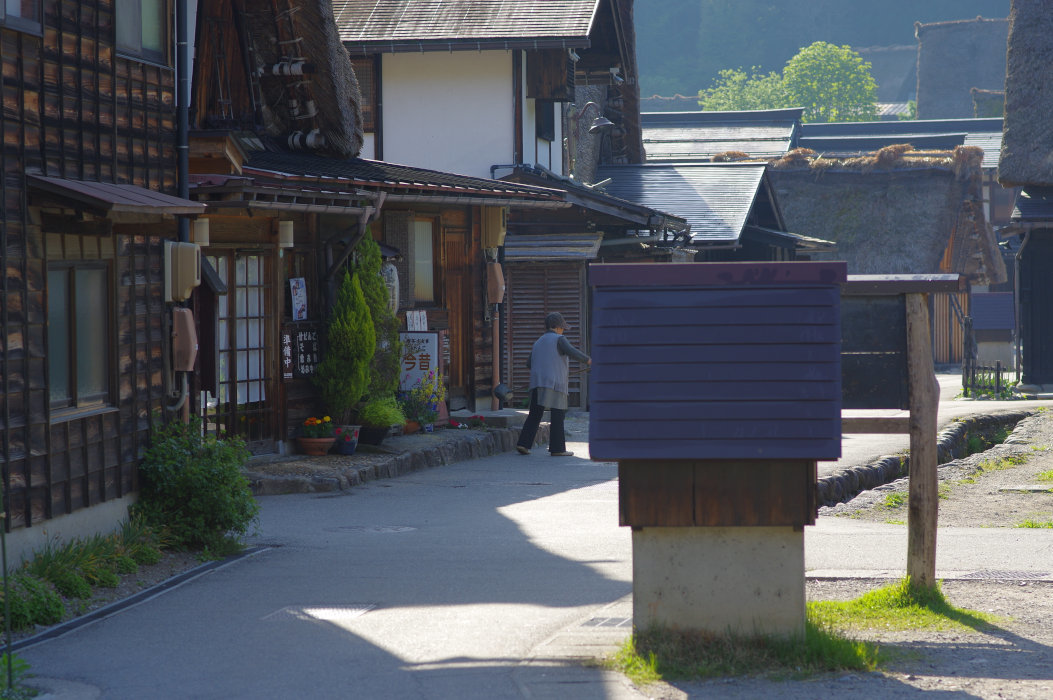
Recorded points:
(343, 374)
(832, 83)
(736, 90)
(386, 364)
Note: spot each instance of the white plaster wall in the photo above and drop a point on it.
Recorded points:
(449, 111)
(368, 151)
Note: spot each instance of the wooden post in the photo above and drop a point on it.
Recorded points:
(924, 400)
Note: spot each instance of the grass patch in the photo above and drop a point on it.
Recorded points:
(894, 500)
(1036, 524)
(663, 654)
(898, 606)
(895, 522)
(1045, 476)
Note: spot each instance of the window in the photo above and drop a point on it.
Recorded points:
(78, 335)
(545, 120)
(141, 28)
(423, 261)
(365, 73)
(20, 14)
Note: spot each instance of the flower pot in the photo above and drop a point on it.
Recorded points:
(314, 447)
(372, 435)
(410, 427)
(346, 439)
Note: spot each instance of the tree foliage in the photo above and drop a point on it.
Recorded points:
(386, 363)
(735, 89)
(342, 376)
(831, 82)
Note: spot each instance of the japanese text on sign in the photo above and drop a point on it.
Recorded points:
(420, 353)
(300, 351)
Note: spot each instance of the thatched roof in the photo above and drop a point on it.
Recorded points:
(895, 69)
(894, 211)
(953, 58)
(988, 103)
(1027, 146)
(308, 32)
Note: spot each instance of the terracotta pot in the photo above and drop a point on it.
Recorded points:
(314, 447)
(410, 427)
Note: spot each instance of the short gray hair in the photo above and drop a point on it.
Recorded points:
(555, 320)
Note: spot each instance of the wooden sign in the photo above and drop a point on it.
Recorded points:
(300, 350)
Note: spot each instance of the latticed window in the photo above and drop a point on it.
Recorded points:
(79, 344)
(142, 28)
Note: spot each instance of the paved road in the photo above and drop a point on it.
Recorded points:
(482, 579)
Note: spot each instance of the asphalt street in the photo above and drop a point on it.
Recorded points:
(489, 578)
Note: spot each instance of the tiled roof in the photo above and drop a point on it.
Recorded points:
(374, 174)
(1034, 204)
(715, 198)
(403, 25)
(679, 136)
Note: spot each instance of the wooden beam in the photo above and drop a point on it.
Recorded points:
(923, 503)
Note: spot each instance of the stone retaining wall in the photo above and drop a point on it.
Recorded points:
(951, 443)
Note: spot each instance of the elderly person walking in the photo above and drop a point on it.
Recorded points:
(549, 364)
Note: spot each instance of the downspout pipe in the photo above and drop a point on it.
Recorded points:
(183, 112)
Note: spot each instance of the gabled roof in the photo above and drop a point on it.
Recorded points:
(679, 136)
(715, 198)
(284, 180)
(923, 134)
(598, 201)
(369, 26)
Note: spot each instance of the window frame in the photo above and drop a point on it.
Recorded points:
(73, 402)
(436, 262)
(21, 22)
(162, 56)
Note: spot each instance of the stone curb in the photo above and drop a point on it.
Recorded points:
(951, 443)
(458, 446)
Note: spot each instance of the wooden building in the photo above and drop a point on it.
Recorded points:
(89, 173)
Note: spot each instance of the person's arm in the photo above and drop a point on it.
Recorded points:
(565, 348)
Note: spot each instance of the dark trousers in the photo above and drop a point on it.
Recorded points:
(557, 440)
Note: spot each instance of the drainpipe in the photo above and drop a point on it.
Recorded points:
(182, 113)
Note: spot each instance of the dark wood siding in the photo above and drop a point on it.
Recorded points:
(1036, 308)
(72, 108)
(716, 361)
(535, 290)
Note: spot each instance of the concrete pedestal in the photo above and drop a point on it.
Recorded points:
(746, 580)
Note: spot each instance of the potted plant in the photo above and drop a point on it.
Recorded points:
(346, 439)
(377, 416)
(316, 436)
(343, 374)
(421, 403)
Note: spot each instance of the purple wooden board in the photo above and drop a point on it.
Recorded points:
(716, 361)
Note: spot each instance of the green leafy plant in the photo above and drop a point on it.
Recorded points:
(894, 499)
(342, 376)
(1036, 524)
(381, 413)
(16, 669)
(191, 486)
(421, 403)
(33, 601)
(318, 427)
(387, 359)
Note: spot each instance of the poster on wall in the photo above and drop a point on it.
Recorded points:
(300, 351)
(299, 298)
(420, 355)
(416, 320)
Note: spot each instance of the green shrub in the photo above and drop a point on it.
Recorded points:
(69, 583)
(191, 486)
(124, 564)
(382, 413)
(146, 556)
(33, 602)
